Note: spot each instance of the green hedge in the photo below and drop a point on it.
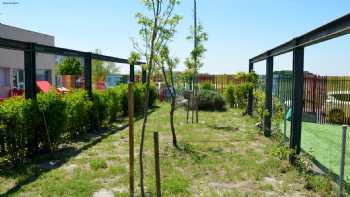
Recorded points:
(207, 86)
(237, 95)
(139, 92)
(31, 126)
(210, 100)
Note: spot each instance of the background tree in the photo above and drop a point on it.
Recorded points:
(194, 62)
(157, 28)
(101, 69)
(69, 66)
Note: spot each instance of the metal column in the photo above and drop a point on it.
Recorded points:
(268, 96)
(30, 71)
(88, 73)
(250, 95)
(132, 73)
(144, 75)
(297, 101)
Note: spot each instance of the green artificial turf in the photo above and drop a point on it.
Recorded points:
(323, 142)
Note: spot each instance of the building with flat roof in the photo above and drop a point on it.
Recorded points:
(12, 61)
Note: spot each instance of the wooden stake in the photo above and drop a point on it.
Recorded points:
(131, 138)
(156, 160)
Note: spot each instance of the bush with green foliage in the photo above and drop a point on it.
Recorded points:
(99, 109)
(77, 110)
(15, 120)
(114, 104)
(139, 92)
(259, 106)
(207, 86)
(230, 95)
(237, 95)
(69, 66)
(210, 100)
(52, 111)
(242, 91)
(30, 126)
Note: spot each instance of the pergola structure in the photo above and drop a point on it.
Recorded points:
(30, 50)
(336, 28)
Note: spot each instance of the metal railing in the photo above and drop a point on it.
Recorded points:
(336, 28)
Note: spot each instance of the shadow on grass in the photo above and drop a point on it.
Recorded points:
(188, 149)
(224, 128)
(40, 164)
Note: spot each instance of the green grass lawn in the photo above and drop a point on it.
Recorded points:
(323, 142)
(223, 155)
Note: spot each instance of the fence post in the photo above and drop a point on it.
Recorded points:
(157, 165)
(268, 96)
(342, 161)
(297, 101)
(30, 71)
(250, 95)
(88, 73)
(131, 137)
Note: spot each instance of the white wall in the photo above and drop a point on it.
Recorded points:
(15, 59)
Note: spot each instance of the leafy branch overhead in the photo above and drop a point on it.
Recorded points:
(163, 30)
(134, 58)
(193, 62)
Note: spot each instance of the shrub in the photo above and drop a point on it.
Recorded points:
(153, 95)
(99, 109)
(207, 86)
(336, 116)
(77, 111)
(139, 92)
(210, 100)
(13, 122)
(27, 126)
(230, 95)
(259, 105)
(114, 104)
(69, 66)
(241, 95)
(237, 95)
(52, 110)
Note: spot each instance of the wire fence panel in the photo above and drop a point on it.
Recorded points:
(219, 82)
(326, 106)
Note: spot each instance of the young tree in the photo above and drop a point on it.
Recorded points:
(194, 62)
(157, 28)
(167, 65)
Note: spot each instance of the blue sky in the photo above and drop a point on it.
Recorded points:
(238, 30)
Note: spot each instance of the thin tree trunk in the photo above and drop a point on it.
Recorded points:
(146, 104)
(172, 110)
(196, 98)
(172, 106)
(192, 101)
(188, 109)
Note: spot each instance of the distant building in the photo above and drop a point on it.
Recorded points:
(116, 79)
(12, 62)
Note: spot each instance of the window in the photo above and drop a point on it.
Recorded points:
(18, 78)
(4, 77)
(43, 75)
